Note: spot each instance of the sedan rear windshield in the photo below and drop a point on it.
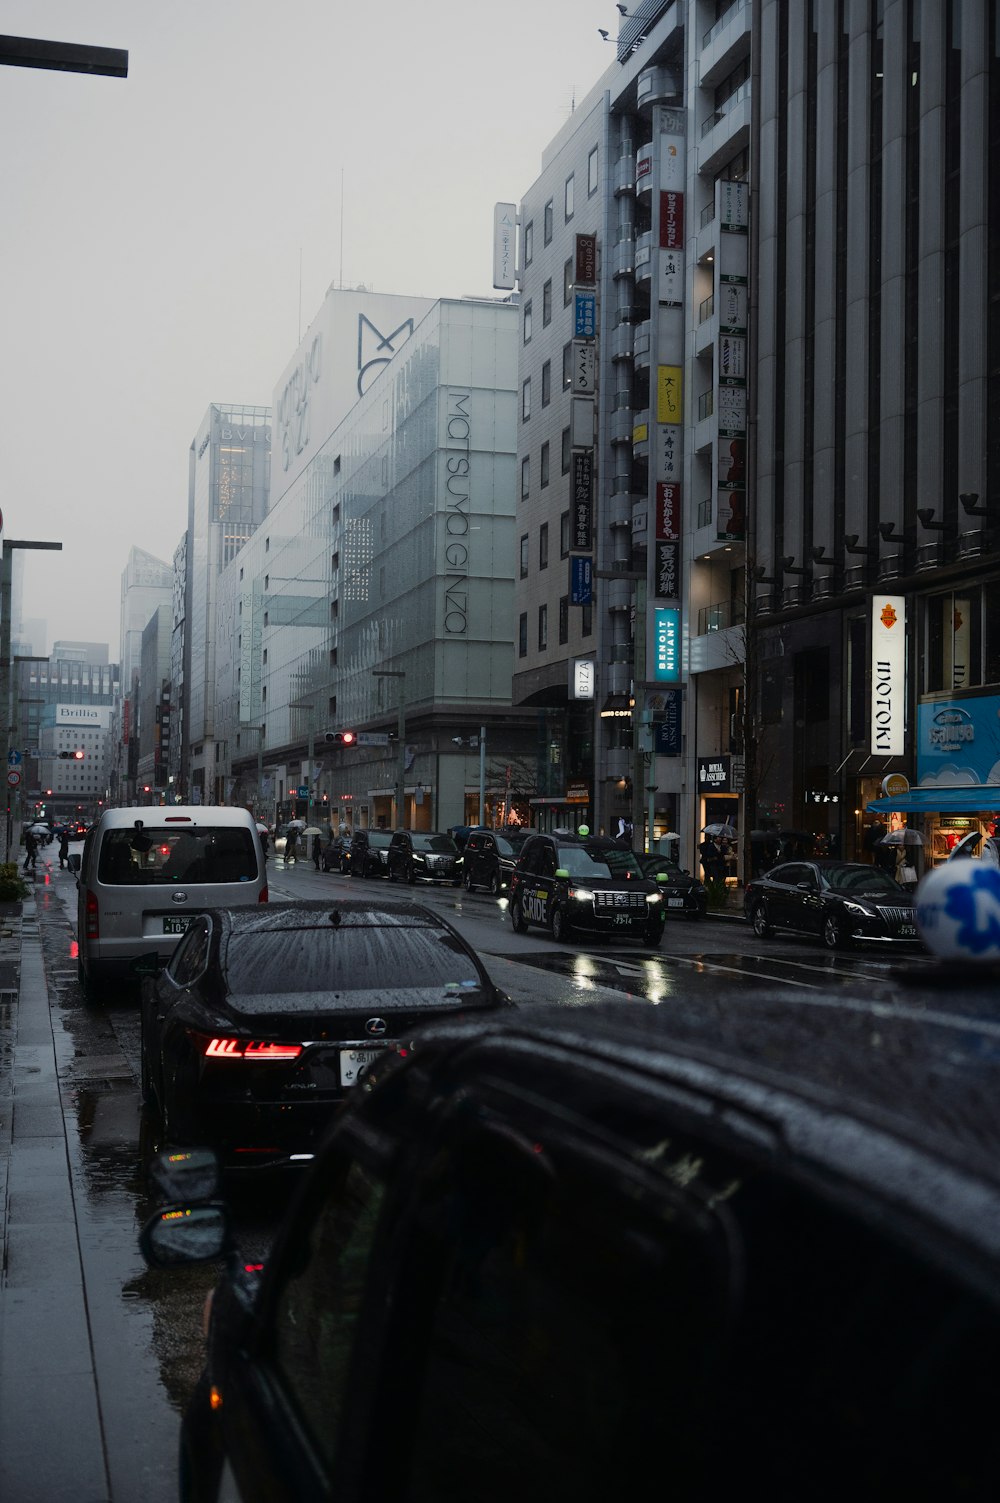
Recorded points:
(155, 857)
(361, 957)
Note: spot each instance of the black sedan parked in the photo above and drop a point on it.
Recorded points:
(369, 853)
(844, 901)
(336, 856)
(424, 856)
(489, 858)
(266, 1018)
(682, 893)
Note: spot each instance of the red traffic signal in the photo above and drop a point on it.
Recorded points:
(341, 738)
(73, 756)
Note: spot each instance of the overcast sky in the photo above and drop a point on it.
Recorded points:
(154, 228)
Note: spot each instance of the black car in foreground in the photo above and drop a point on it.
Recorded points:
(844, 901)
(558, 1254)
(587, 883)
(682, 893)
(266, 1018)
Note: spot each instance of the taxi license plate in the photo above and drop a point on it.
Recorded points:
(675, 902)
(174, 925)
(354, 1063)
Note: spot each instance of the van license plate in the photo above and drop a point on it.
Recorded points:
(354, 1063)
(173, 925)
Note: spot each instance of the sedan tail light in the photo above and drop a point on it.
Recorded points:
(219, 1047)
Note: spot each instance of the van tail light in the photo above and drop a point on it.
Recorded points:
(262, 896)
(91, 923)
(216, 1046)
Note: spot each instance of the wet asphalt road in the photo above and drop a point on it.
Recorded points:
(146, 1325)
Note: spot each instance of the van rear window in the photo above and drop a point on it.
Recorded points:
(164, 857)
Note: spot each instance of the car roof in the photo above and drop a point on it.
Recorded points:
(317, 913)
(896, 1099)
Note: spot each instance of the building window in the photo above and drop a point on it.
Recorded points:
(566, 451)
(586, 620)
(563, 620)
(543, 477)
(564, 535)
(543, 546)
(592, 173)
(524, 556)
(568, 197)
(522, 635)
(547, 222)
(526, 400)
(567, 365)
(525, 478)
(527, 321)
(568, 283)
(529, 242)
(546, 303)
(546, 383)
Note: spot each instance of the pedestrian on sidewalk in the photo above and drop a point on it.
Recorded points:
(63, 848)
(30, 849)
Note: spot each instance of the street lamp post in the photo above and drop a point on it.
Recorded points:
(401, 734)
(6, 575)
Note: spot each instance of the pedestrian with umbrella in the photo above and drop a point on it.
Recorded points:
(897, 854)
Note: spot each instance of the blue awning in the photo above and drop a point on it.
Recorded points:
(972, 798)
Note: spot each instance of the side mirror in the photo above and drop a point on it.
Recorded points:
(188, 1174)
(181, 1234)
(73, 861)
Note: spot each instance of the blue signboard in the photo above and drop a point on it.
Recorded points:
(666, 645)
(581, 589)
(958, 741)
(585, 326)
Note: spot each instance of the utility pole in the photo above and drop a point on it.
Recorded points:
(482, 774)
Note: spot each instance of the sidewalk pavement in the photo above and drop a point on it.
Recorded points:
(51, 1435)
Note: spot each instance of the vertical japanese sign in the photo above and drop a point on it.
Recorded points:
(672, 220)
(581, 587)
(504, 245)
(582, 509)
(585, 321)
(586, 260)
(888, 705)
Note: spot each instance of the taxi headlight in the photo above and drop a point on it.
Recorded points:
(581, 894)
(654, 897)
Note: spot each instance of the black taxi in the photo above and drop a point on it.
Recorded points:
(583, 882)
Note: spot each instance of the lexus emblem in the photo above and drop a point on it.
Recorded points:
(376, 1027)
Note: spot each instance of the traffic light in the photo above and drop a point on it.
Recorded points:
(341, 738)
(73, 756)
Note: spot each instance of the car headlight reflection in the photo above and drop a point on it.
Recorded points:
(581, 894)
(856, 908)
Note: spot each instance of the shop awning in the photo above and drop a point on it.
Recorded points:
(972, 798)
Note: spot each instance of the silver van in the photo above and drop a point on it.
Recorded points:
(145, 872)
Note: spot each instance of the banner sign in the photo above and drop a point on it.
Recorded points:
(666, 644)
(667, 732)
(584, 368)
(669, 394)
(668, 512)
(504, 242)
(586, 260)
(581, 514)
(581, 587)
(583, 678)
(585, 322)
(672, 220)
(888, 704)
(667, 583)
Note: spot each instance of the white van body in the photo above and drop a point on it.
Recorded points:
(145, 872)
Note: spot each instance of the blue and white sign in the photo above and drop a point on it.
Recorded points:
(13, 758)
(585, 324)
(581, 587)
(666, 645)
(958, 910)
(958, 741)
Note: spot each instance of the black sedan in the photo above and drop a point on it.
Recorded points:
(844, 901)
(336, 855)
(682, 893)
(266, 1018)
(489, 858)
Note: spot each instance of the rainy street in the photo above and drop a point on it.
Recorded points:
(144, 1327)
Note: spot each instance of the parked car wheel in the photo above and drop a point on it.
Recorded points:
(758, 919)
(518, 922)
(833, 934)
(411, 875)
(467, 879)
(494, 883)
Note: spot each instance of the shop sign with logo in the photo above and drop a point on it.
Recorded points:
(666, 644)
(577, 793)
(584, 368)
(586, 260)
(888, 670)
(961, 736)
(583, 675)
(822, 796)
(714, 774)
(585, 322)
(895, 785)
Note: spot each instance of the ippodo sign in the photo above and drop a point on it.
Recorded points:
(888, 668)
